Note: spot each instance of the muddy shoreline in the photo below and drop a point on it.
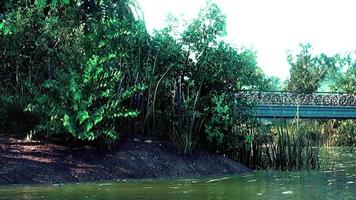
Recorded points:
(40, 162)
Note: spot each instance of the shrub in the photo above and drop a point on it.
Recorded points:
(85, 102)
(226, 129)
(346, 134)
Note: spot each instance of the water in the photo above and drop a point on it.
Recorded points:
(336, 181)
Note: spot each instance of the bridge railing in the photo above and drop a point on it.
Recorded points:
(298, 99)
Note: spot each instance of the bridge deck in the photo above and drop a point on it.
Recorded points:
(291, 105)
(339, 112)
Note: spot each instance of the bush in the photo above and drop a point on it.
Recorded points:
(226, 129)
(346, 134)
(86, 102)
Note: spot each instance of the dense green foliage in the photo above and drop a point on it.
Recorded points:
(67, 62)
(79, 65)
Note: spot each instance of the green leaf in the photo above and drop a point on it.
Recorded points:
(76, 96)
(2, 26)
(89, 126)
(82, 116)
(41, 3)
(65, 1)
(6, 31)
(111, 56)
(68, 125)
(75, 107)
(101, 44)
(105, 93)
(66, 120)
(54, 3)
(98, 117)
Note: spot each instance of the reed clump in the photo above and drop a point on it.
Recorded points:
(285, 146)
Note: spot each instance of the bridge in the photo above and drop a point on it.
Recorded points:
(292, 105)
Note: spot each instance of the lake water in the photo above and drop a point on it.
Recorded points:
(336, 181)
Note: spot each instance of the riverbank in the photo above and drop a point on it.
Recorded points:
(39, 162)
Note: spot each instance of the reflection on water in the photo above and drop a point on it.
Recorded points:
(336, 181)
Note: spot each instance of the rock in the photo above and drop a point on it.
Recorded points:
(148, 141)
(87, 147)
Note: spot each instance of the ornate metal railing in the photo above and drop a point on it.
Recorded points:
(297, 99)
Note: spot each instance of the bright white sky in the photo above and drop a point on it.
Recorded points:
(272, 27)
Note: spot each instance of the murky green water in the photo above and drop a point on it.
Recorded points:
(337, 181)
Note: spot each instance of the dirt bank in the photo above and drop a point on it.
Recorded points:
(38, 162)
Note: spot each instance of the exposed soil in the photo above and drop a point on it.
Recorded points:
(39, 162)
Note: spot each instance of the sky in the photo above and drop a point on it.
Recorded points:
(271, 27)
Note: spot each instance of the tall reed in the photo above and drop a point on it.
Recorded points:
(285, 146)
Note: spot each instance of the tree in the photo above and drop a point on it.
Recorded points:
(69, 68)
(308, 71)
(84, 64)
(203, 73)
(274, 84)
(346, 77)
